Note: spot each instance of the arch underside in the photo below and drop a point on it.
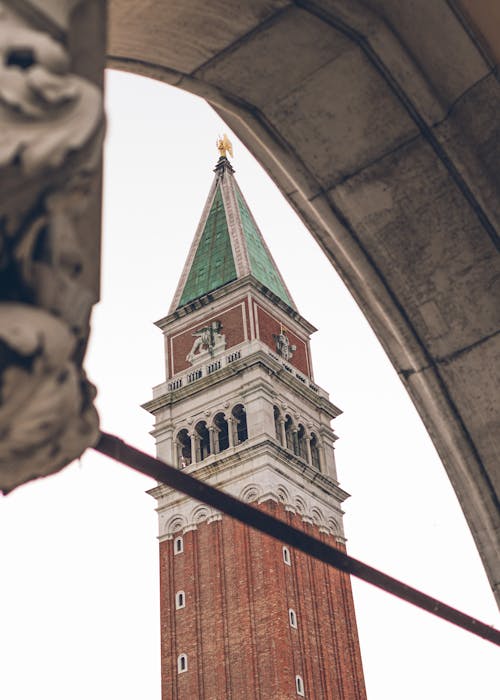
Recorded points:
(378, 121)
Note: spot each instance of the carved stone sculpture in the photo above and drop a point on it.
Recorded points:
(51, 128)
(283, 345)
(208, 339)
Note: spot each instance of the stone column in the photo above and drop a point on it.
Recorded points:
(308, 450)
(194, 447)
(211, 434)
(282, 432)
(51, 125)
(230, 431)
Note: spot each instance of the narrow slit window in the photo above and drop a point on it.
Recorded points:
(293, 618)
(299, 684)
(180, 600)
(182, 663)
(286, 556)
(178, 545)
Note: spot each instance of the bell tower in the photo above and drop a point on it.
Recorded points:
(243, 617)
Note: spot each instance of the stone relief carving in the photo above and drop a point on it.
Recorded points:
(283, 345)
(37, 91)
(51, 129)
(250, 493)
(207, 341)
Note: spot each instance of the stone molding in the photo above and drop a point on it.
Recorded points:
(180, 518)
(258, 355)
(177, 318)
(258, 473)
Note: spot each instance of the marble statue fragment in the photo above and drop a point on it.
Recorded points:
(51, 129)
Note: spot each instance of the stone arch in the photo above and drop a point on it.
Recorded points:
(240, 427)
(302, 439)
(249, 493)
(202, 435)
(338, 175)
(283, 494)
(300, 505)
(199, 514)
(289, 428)
(183, 448)
(277, 424)
(221, 428)
(315, 451)
(175, 525)
(318, 517)
(334, 526)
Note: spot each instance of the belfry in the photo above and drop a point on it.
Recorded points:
(242, 616)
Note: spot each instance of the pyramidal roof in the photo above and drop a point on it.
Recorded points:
(228, 245)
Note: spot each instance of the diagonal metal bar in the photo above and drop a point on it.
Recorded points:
(117, 449)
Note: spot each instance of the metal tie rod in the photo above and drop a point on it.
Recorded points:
(117, 449)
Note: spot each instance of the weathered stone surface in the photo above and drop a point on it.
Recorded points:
(475, 371)
(471, 138)
(51, 130)
(257, 65)
(344, 96)
(406, 201)
(186, 34)
(483, 18)
(431, 33)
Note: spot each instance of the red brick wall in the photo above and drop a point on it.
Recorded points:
(269, 325)
(234, 326)
(235, 627)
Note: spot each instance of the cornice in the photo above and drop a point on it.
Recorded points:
(273, 367)
(240, 285)
(260, 482)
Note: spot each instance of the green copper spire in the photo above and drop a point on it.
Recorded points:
(262, 266)
(213, 264)
(228, 244)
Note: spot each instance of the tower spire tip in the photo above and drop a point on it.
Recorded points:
(224, 146)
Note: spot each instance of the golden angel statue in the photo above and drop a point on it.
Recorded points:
(225, 146)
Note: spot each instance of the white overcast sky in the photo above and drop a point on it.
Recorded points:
(78, 551)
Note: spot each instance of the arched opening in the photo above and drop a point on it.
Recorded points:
(222, 432)
(299, 684)
(203, 440)
(277, 426)
(184, 456)
(240, 417)
(289, 432)
(180, 600)
(315, 452)
(302, 442)
(286, 556)
(182, 663)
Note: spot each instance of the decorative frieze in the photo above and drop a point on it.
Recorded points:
(184, 515)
